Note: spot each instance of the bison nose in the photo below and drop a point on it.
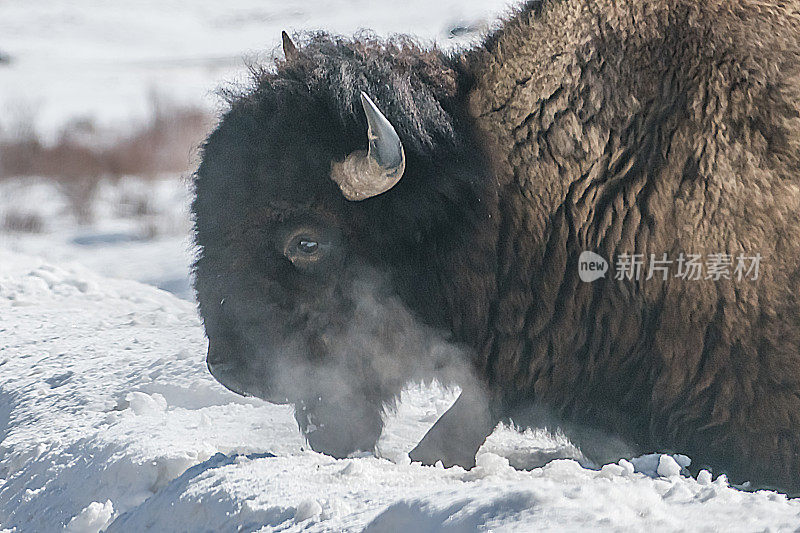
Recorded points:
(219, 356)
(224, 365)
(222, 357)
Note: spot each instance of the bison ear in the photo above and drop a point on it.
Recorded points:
(363, 174)
(289, 49)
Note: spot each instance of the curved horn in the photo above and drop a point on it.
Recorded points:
(363, 174)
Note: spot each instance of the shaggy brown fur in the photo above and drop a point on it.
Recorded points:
(651, 127)
(641, 126)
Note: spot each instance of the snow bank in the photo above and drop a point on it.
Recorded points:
(109, 421)
(104, 396)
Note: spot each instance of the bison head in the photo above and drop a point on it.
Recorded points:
(336, 212)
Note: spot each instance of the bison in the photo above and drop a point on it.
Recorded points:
(374, 211)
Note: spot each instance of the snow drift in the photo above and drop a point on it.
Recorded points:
(110, 421)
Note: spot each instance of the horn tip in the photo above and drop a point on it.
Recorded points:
(289, 48)
(367, 101)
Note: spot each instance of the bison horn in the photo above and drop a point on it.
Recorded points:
(362, 174)
(290, 51)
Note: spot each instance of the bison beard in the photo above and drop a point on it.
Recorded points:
(373, 212)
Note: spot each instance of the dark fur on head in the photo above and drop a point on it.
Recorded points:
(266, 170)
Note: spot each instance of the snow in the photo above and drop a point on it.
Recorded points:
(181, 50)
(109, 419)
(95, 517)
(154, 248)
(668, 466)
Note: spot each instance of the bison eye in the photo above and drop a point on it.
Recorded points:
(307, 246)
(308, 249)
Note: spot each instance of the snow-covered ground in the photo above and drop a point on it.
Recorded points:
(109, 419)
(140, 228)
(103, 60)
